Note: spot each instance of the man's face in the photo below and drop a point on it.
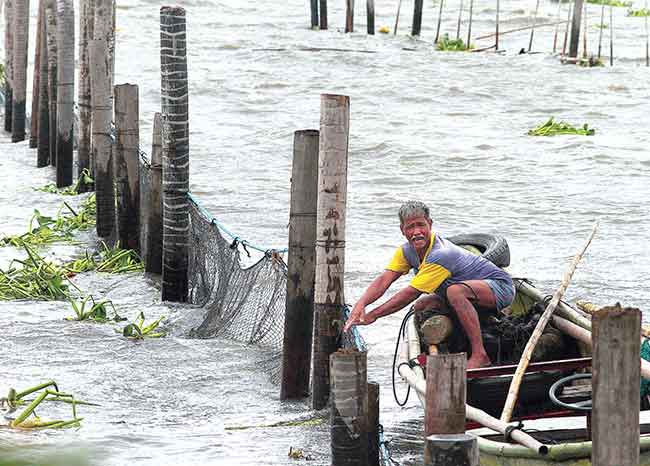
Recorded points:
(417, 231)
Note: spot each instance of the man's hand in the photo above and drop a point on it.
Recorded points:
(356, 316)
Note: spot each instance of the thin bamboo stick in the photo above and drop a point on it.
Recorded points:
(566, 29)
(611, 35)
(584, 36)
(496, 45)
(647, 52)
(469, 27)
(460, 15)
(442, 2)
(399, 7)
(532, 30)
(557, 26)
(600, 33)
(513, 392)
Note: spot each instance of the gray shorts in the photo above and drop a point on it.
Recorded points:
(504, 292)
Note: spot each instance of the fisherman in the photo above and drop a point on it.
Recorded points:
(443, 271)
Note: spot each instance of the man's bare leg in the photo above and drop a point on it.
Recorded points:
(459, 296)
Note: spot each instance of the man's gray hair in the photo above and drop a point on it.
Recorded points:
(413, 209)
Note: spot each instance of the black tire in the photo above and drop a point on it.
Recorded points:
(493, 248)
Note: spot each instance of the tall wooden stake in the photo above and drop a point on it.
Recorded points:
(417, 17)
(460, 17)
(647, 40)
(399, 7)
(575, 29)
(445, 394)
(43, 151)
(349, 412)
(373, 424)
(9, 59)
(19, 71)
(469, 27)
(600, 33)
(52, 72)
(496, 44)
(299, 315)
(615, 386)
(439, 22)
(176, 153)
(153, 217)
(330, 238)
(370, 16)
(313, 5)
(323, 14)
(513, 392)
(584, 27)
(566, 29)
(86, 26)
(532, 30)
(611, 35)
(102, 110)
(36, 78)
(557, 26)
(126, 165)
(349, 15)
(65, 93)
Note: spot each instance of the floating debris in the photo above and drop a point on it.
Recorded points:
(138, 331)
(552, 128)
(452, 45)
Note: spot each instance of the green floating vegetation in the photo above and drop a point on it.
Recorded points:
(47, 230)
(83, 180)
(97, 311)
(110, 260)
(552, 128)
(452, 45)
(622, 3)
(12, 401)
(591, 62)
(138, 331)
(641, 12)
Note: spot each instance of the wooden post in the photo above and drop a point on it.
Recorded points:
(445, 395)
(469, 27)
(65, 93)
(370, 16)
(153, 252)
(330, 238)
(176, 153)
(349, 412)
(566, 29)
(9, 59)
(532, 29)
(314, 13)
(126, 165)
(36, 79)
(496, 43)
(349, 15)
(52, 58)
(19, 71)
(43, 151)
(323, 14)
(86, 25)
(417, 17)
(435, 41)
(615, 386)
(575, 29)
(373, 424)
(299, 315)
(451, 450)
(611, 35)
(102, 110)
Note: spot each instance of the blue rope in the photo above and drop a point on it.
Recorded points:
(222, 227)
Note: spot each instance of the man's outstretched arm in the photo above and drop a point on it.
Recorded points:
(374, 291)
(397, 302)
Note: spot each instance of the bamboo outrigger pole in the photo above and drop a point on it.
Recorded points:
(513, 392)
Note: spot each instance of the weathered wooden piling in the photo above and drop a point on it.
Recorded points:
(52, 58)
(102, 109)
(301, 263)
(323, 14)
(19, 71)
(313, 5)
(372, 424)
(574, 43)
(36, 78)
(65, 93)
(417, 17)
(349, 409)
(451, 450)
(86, 26)
(126, 165)
(370, 16)
(9, 58)
(330, 238)
(43, 151)
(153, 211)
(445, 395)
(615, 386)
(176, 157)
(349, 15)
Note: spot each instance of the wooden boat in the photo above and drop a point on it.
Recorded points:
(487, 387)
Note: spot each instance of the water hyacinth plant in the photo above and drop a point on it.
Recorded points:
(84, 179)
(111, 260)
(640, 13)
(12, 401)
(622, 3)
(552, 128)
(138, 331)
(97, 312)
(452, 45)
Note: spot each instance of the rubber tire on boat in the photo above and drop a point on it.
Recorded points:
(494, 248)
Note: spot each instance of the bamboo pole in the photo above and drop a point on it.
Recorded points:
(460, 16)
(101, 136)
(496, 45)
(313, 4)
(611, 35)
(323, 14)
(176, 153)
(299, 315)
(435, 41)
(19, 72)
(153, 217)
(557, 25)
(86, 26)
(600, 33)
(43, 151)
(532, 30)
(584, 26)
(126, 165)
(52, 58)
(469, 27)
(370, 16)
(9, 59)
(566, 29)
(65, 94)
(330, 238)
(513, 391)
(416, 27)
(349, 15)
(399, 7)
(36, 79)
(647, 43)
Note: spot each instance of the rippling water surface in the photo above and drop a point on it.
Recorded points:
(445, 128)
